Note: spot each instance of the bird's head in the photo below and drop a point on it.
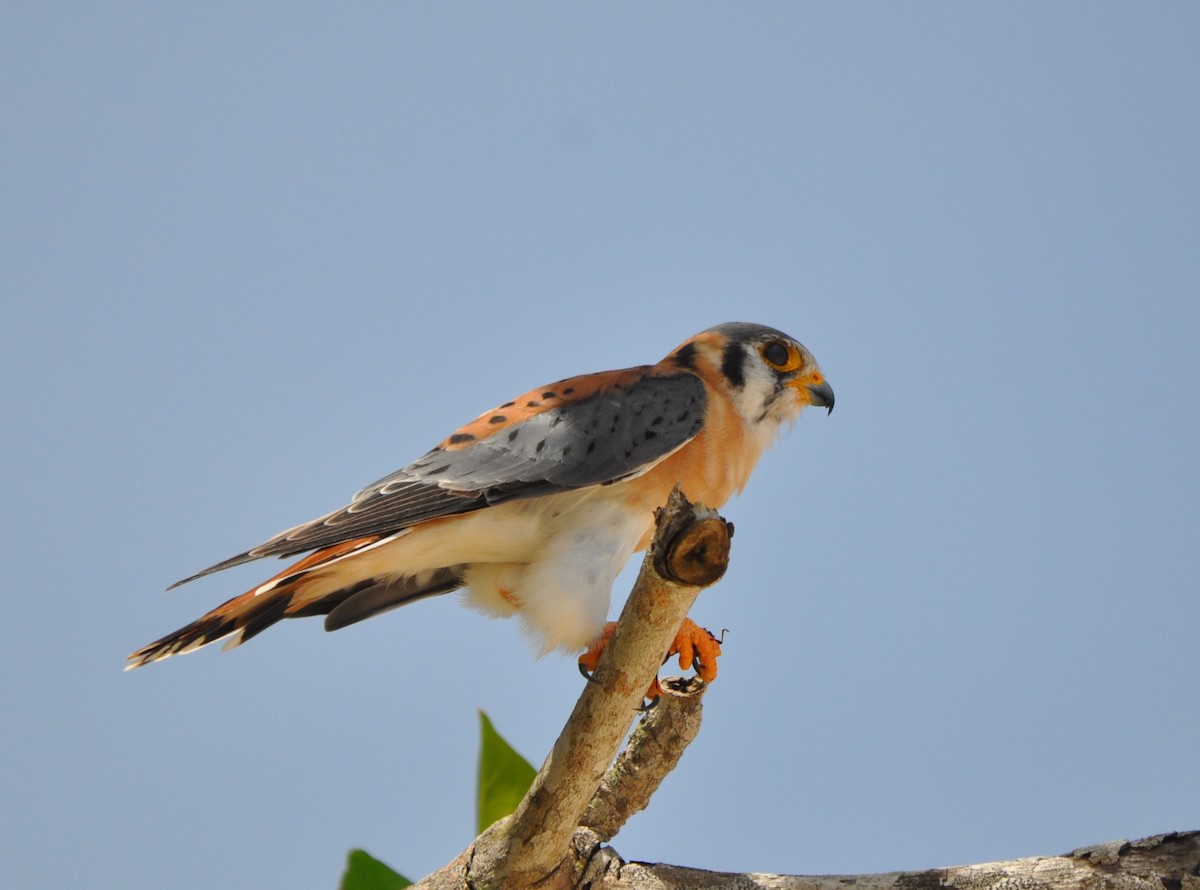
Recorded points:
(768, 375)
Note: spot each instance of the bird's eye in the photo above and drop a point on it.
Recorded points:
(777, 354)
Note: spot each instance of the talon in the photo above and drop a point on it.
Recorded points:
(695, 646)
(698, 648)
(650, 705)
(654, 692)
(589, 659)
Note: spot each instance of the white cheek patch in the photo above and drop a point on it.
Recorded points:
(755, 397)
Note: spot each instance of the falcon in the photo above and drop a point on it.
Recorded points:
(535, 506)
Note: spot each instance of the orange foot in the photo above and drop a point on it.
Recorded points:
(693, 644)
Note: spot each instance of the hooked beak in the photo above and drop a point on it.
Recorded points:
(821, 395)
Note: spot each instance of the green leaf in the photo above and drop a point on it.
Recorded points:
(365, 872)
(504, 776)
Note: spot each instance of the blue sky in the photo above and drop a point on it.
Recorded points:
(256, 256)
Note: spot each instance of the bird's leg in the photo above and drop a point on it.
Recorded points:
(694, 645)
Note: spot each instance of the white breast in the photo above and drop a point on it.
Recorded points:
(562, 589)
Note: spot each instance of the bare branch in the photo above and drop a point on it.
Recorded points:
(652, 751)
(690, 548)
(1164, 862)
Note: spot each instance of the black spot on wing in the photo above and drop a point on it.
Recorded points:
(603, 437)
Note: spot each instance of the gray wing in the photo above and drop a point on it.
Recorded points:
(616, 427)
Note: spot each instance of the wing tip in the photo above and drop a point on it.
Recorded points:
(240, 559)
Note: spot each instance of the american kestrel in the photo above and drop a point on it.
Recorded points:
(535, 506)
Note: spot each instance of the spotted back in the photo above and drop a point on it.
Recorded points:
(595, 429)
(615, 427)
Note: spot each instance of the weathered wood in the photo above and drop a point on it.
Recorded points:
(653, 750)
(1163, 862)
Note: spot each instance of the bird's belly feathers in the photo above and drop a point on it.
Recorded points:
(561, 591)
(550, 560)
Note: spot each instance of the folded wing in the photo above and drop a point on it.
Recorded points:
(596, 429)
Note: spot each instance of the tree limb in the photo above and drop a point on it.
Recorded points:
(540, 846)
(1164, 862)
(533, 848)
(650, 754)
